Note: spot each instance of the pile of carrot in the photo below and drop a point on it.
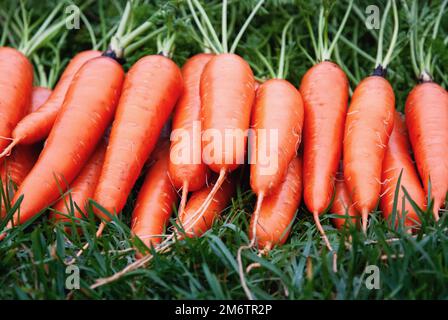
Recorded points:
(81, 147)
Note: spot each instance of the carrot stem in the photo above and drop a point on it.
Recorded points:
(393, 41)
(281, 64)
(224, 27)
(245, 25)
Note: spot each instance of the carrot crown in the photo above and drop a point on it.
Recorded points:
(122, 42)
(323, 49)
(24, 28)
(283, 58)
(380, 62)
(423, 62)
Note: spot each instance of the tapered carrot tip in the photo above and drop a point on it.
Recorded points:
(8, 149)
(183, 200)
(325, 238)
(98, 234)
(364, 218)
(3, 235)
(435, 212)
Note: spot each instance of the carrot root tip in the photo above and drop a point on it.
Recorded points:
(8, 149)
(365, 219)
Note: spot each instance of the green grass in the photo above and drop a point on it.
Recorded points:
(33, 257)
(411, 267)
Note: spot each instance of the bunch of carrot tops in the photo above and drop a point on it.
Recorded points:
(79, 148)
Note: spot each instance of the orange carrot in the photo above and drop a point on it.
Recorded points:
(37, 125)
(194, 226)
(227, 96)
(278, 109)
(155, 202)
(325, 94)
(151, 89)
(16, 88)
(81, 189)
(16, 167)
(279, 208)
(369, 124)
(271, 156)
(396, 160)
(427, 123)
(342, 204)
(87, 110)
(189, 173)
(39, 96)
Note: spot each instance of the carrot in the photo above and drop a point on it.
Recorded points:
(22, 159)
(279, 208)
(265, 178)
(15, 86)
(342, 204)
(227, 92)
(155, 202)
(37, 125)
(81, 189)
(189, 173)
(87, 110)
(397, 160)
(39, 96)
(324, 89)
(274, 141)
(427, 122)
(325, 94)
(426, 109)
(369, 124)
(150, 91)
(194, 226)
(227, 95)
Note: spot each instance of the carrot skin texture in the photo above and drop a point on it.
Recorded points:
(398, 158)
(368, 126)
(227, 95)
(427, 122)
(155, 202)
(278, 107)
(82, 188)
(279, 208)
(37, 125)
(16, 87)
(342, 204)
(220, 202)
(324, 89)
(22, 159)
(39, 96)
(90, 104)
(186, 113)
(150, 92)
